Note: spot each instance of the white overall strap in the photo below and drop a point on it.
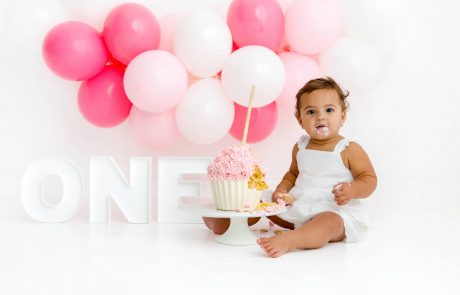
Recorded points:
(340, 146)
(303, 142)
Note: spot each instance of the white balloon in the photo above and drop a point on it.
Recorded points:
(253, 65)
(387, 45)
(26, 22)
(374, 22)
(206, 114)
(367, 20)
(353, 63)
(203, 42)
(92, 12)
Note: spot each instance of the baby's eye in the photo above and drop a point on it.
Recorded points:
(330, 110)
(310, 112)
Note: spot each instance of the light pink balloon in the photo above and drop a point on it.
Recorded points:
(299, 70)
(155, 81)
(263, 121)
(168, 25)
(74, 51)
(102, 99)
(130, 29)
(156, 131)
(256, 22)
(313, 25)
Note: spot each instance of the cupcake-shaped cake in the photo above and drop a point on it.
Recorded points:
(237, 181)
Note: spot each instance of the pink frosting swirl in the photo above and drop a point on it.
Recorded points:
(233, 163)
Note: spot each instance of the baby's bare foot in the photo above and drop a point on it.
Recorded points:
(277, 245)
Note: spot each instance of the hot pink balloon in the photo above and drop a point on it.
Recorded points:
(299, 70)
(313, 25)
(74, 51)
(256, 22)
(102, 99)
(154, 130)
(130, 29)
(263, 121)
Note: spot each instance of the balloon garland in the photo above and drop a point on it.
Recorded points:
(140, 68)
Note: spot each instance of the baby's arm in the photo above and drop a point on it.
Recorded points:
(289, 178)
(365, 179)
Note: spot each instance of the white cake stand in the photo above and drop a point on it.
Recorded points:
(238, 233)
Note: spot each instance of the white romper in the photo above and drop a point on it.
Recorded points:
(319, 171)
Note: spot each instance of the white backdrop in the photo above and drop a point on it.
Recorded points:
(409, 123)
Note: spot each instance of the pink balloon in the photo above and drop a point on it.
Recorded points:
(130, 29)
(284, 46)
(168, 25)
(299, 70)
(155, 131)
(313, 25)
(315, 57)
(74, 51)
(261, 125)
(102, 99)
(256, 22)
(155, 81)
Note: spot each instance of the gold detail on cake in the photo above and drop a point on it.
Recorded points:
(262, 206)
(257, 180)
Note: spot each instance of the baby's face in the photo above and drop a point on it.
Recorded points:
(321, 114)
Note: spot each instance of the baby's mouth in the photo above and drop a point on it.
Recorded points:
(321, 128)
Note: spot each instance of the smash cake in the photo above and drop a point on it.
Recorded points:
(237, 180)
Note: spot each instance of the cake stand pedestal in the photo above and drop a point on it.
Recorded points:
(238, 233)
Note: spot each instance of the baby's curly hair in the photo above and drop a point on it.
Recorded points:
(322, 83)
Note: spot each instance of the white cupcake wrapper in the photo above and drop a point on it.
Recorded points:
(234, 195)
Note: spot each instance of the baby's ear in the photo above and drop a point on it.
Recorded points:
(297, 116)
(344, 116)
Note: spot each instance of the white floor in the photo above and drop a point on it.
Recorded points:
(413, 247)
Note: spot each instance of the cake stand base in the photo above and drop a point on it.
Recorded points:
(238, 233)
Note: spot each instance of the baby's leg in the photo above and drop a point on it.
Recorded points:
(281, 222)
(220, 225)
(323, 228)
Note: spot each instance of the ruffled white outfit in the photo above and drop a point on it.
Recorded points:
(319, 171)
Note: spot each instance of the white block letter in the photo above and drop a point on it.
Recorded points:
(108, 182)
(179, 179)
(31, 190)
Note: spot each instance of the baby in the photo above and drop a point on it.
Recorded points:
(327, 178)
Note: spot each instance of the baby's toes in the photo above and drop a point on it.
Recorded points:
(268, 249)
(263, 241)
(275, 254)
(271, 251)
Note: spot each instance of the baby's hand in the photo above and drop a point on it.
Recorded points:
(343, 193)
(285, 197)
(275, 196)
(288, 199)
